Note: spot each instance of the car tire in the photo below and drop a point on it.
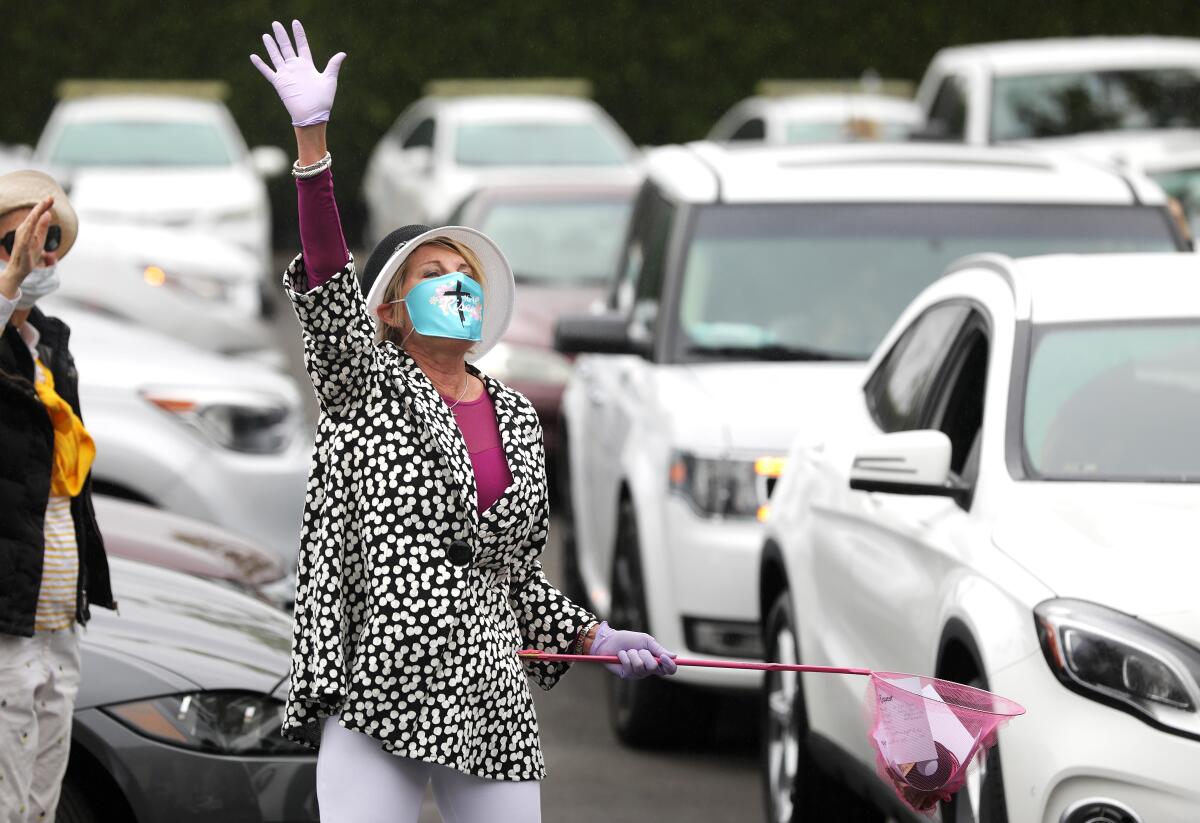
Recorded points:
(813, 795)
(986, 786)
(650, 713)
(73, 806)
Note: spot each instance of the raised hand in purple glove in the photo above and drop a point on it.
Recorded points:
(306, 93)
(640, 654)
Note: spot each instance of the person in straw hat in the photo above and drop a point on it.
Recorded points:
(418, 577)
(51, 553)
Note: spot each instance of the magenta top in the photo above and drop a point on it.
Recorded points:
(477, 421)
(321, 237)
(325, 253)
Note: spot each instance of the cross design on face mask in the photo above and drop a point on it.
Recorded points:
(459, 294)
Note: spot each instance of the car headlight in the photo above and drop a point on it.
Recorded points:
(242, 421)
(1124, 662)
(514, 363)
(217, 722)
(197, 285)
(724, 487)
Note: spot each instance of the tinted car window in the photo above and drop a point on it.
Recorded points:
(753, 129)
(813, 281)
(957, 409)
(948, 115)
(1056, 105)
(422, 135)
(901, 383)
(644, 259)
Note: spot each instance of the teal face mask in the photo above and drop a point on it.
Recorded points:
(446, 306)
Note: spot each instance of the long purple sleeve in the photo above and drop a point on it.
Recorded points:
(321, 235)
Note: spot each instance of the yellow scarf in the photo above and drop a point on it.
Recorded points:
(74, 449)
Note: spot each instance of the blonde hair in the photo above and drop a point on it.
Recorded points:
(395, 288)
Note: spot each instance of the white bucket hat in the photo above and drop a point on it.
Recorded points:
(499, 288)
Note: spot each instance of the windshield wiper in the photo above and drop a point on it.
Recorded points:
(773, 352)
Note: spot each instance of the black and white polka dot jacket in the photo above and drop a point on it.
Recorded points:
(410, 603)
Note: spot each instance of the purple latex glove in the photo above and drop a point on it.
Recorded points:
(306, 93)
(640, 654)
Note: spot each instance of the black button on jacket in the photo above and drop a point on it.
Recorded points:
(410, 603)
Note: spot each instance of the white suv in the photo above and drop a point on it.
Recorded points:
(1113, 98)
(754, 283)
(1010, 501)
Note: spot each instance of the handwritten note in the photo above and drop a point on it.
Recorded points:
(906, 735)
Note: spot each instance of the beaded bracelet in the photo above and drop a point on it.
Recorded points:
(582, 636)
(313, 169)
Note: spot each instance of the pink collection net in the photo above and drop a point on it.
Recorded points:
(927, 732)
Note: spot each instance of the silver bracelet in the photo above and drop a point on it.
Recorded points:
(313, 169)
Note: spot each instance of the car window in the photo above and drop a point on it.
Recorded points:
(559, 239)
(643, 262)
(898, 388)
(1114, 401)
(753, 129)
(956, 408)
(1057, 105)
(537, 144)
(787, 280)
(141, 143)
(948, 114)
(421, 136)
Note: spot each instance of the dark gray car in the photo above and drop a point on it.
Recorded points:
(179, 712)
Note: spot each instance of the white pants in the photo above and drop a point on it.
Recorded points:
(39, 678)
(359, 782)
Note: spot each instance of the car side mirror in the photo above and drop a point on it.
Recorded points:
(596, 334)
(909, 462)
(268, 161)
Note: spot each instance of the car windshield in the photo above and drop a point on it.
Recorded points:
(1114, 401)
(1058, 105)
(559, 240)
(841, 131)
(826, 281)
(537, 144)
(141, 143)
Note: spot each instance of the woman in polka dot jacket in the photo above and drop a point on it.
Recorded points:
(425, 513)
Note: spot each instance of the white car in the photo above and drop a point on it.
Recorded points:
(1009, 501)
(817, 118)
(753, 284)
(210, 437)
(444, 147)
(1111, 98)
(183, 284)
(162, 160)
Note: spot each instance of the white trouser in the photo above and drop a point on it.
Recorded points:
(39, 678)
(359, 782)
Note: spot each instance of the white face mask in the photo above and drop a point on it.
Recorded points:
(38, 284)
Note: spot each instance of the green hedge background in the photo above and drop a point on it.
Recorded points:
(664, 70)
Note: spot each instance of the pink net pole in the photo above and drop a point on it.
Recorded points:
(926, 732)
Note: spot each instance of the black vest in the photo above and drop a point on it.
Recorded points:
(26, 460)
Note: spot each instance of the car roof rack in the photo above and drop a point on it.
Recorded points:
(869, 83)
(486, 86)
(73, 89)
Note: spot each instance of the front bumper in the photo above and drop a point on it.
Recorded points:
(706, 570)
(162, 782)
(1069, 749)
